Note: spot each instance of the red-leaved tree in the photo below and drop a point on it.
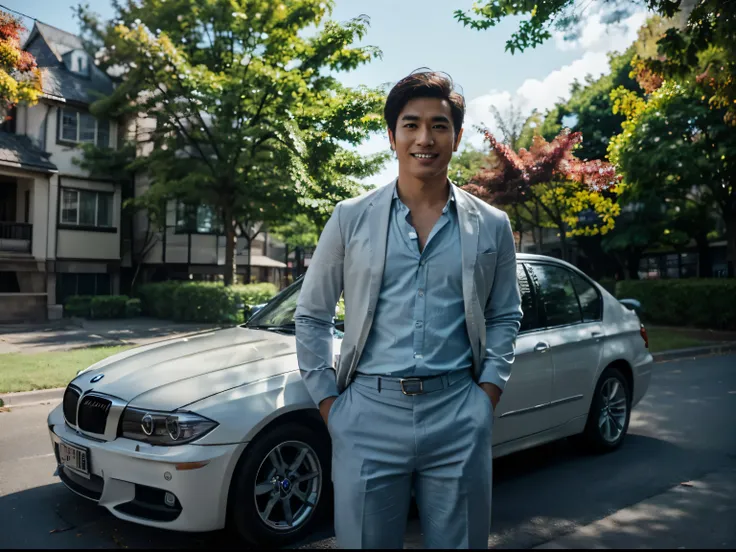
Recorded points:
(576, 197)
(20, 79)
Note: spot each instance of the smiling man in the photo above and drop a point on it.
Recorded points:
(432, 309)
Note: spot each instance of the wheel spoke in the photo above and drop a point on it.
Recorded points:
(264, 488)
(602, 419)
(614, 390)
(609, 430)
(301, 495)
(278, 461)
(299, 459)
(305, 477)
(618, 424)
(269, 507)
(618, 403)
(287, 511)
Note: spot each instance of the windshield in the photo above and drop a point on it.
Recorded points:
(279, 311)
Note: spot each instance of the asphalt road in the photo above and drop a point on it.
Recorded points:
(683, 430)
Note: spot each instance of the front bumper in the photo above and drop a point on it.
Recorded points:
(132, 484)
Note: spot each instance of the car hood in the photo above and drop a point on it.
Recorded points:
(173, 373)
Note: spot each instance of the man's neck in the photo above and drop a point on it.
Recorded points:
(416, 192)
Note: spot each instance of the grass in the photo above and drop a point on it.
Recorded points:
(30, 372)
(661, 339)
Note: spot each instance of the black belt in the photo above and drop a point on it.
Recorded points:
(413, 385)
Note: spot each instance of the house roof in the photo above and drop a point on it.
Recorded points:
(58, 81)
(19, 152)
(60, 42)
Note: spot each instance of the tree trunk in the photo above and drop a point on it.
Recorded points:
(633, 256)
(731, 247)
(247, 266)
(705, 259)
(563, 244)
(230, 237)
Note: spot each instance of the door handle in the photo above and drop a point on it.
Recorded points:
(541, 347)
(596, 335)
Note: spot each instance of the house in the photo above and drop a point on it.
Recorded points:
(60, 229)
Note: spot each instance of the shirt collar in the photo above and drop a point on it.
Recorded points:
(450, 199)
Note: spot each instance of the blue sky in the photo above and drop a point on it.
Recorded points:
(423, 33)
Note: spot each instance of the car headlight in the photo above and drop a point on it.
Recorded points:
(164, 428)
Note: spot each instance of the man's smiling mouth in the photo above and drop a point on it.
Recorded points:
(425, 155)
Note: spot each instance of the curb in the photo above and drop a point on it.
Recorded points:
(31, 398)
(716, 348)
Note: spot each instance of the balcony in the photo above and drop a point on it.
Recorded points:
(15, 237)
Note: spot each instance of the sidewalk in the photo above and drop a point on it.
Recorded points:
(77, 333)
(695, 514)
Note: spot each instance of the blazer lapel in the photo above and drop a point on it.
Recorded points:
(468, 220)
(380, 211)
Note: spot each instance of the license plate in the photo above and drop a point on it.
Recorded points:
(74, 458)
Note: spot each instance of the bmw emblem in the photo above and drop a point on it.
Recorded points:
(97, 378)
(286, 484)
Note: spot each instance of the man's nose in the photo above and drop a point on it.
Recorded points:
(425, 137)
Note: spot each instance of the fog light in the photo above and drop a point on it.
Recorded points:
(170, 500)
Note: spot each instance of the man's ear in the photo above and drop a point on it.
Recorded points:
(457, 140)
(391, 140)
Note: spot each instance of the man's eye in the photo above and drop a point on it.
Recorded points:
(407, 125)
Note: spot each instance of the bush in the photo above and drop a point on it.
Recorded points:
(133, 308)
(202, 301)
(108, 306)
(78, 305)
(700, 302)
(157, 299)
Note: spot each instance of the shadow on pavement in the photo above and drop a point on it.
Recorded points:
(538, 495)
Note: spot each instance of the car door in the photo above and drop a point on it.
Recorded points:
(571, 310)
(521, 411)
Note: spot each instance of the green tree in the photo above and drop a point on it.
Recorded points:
(20, 79)
(245, 113)
(676, 144)
(698, 41)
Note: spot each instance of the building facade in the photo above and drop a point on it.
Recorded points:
(59, 227)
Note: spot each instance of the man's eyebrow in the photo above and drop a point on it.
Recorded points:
(436, 118)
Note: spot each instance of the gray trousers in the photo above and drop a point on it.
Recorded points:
(386, 444)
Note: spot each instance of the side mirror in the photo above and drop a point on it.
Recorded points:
(340, 325)
(631, 304)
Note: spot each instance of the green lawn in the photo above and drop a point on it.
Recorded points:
(661, 339)
(28, 372)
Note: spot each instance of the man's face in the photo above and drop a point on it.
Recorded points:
(425, 137)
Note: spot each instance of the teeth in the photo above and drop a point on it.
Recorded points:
(423, 156)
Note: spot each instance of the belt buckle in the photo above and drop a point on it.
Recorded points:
(412, 384)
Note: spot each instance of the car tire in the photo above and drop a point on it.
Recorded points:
(609, 414)
(247, 509)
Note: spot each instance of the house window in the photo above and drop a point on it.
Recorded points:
(68, 284)
(86, 208)
(197, 219)
(84, 128)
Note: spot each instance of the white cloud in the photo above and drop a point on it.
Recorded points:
(532, 94)
(596, 36)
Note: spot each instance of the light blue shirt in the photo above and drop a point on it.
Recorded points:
(419, 323)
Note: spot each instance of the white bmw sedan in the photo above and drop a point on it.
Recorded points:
(217, 429)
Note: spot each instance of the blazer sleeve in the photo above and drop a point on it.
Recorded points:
(502, 312)
(315, 311)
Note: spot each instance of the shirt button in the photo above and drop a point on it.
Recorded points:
(421, 293)
(418, 324)
(421, 263)
(370, 312)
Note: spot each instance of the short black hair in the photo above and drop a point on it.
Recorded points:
(424, 83)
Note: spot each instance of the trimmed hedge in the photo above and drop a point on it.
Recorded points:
(108, 306)
(78, 305)
(699, 302)
(202, 301)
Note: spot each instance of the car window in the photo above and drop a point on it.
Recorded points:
(557, 294)
(590, 299)
(530, 321)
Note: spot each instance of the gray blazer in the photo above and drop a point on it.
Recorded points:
(350, 258)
